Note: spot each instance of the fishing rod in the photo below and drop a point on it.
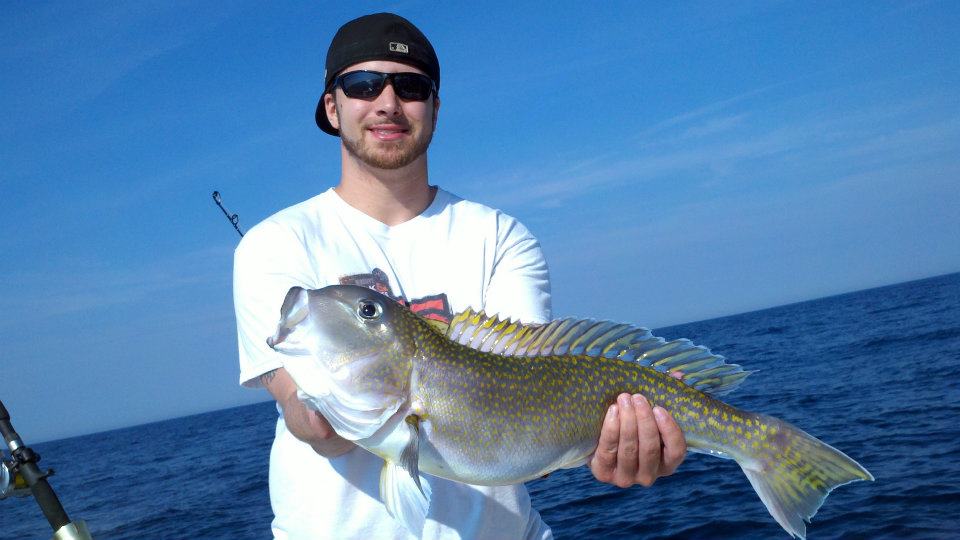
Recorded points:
(21, 474)
(233, 218)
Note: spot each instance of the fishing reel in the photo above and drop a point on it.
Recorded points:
(12, 483)
(20, 476)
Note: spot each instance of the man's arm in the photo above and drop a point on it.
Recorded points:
(268, 261)
(305, 424)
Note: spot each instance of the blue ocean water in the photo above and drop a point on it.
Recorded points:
(874, 373)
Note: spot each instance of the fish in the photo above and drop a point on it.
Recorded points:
(492, 401)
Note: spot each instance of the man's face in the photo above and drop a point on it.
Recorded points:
(385, 132)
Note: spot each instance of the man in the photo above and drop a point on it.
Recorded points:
(384, 226)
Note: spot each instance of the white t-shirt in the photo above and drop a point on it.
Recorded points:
(456, 254)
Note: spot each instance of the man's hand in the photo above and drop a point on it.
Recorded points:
(638, 444)
(307, 425)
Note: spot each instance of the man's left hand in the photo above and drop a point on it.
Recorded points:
(638, 444)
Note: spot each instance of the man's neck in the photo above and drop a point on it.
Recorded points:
(391, 196)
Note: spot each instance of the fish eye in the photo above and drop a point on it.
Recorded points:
(368, 309)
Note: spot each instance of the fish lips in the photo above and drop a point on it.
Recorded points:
(295, 309)
(292, 347)
(278, 338)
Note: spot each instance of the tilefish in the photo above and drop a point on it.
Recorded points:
(491, 401)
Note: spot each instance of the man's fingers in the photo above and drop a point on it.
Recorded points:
(626, 468)
(674, 443)
(638, 443)
(648, 454)
(604, 459)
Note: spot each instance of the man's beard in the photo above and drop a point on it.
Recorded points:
(389, 155)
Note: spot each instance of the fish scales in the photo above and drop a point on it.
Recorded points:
(556, 409)
(493, 402)
(524, 405)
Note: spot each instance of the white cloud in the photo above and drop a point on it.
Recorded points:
(89, 287)
(712, 146)
(66, 55)
(741, 252)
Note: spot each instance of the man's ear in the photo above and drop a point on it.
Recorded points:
(330, 107)
(436, 110)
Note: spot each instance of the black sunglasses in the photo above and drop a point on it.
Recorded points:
(369, 84)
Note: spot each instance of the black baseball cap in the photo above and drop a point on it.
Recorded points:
(381, 36)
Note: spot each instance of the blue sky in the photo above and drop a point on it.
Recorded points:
(678, 161)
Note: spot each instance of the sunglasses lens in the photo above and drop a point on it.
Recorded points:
(362, 84)
(412, 86)
(369, 84)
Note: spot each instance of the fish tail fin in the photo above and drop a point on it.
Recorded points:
(793, 473)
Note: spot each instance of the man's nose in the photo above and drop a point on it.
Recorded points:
(388, 102)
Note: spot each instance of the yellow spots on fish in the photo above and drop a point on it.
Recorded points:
(529, 398)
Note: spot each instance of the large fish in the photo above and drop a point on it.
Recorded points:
(496, 402)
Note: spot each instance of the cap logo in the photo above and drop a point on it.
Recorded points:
(399, 47)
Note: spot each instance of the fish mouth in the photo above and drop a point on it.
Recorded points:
(296, 308)
(278, 338)
(288, 341)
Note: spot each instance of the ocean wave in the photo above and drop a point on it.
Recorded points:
(940, 334)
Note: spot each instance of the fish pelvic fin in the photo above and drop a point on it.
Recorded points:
(699, 367)
(403, 491)
(795, 476)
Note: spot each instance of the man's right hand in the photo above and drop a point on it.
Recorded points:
(305, 424)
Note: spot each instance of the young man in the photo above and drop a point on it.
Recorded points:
(384, 226)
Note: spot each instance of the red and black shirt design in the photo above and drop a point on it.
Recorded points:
(435, 306)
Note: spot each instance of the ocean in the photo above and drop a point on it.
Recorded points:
(875, 373)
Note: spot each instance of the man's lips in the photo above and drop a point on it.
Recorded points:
(388, 132)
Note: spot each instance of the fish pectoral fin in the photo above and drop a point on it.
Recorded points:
(403, 491)
(410, 457)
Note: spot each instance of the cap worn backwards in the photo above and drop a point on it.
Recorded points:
(381, 36)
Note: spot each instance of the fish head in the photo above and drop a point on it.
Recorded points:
(344, 335)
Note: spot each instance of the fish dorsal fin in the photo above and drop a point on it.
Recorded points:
(701, 369)
(439, 326)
